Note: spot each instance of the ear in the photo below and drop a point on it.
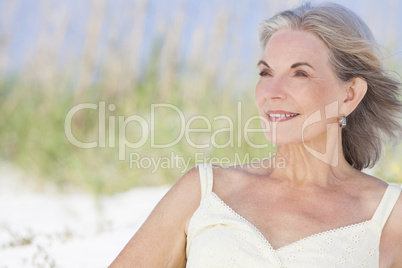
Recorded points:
(355, 91)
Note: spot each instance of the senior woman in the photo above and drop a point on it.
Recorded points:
(326, 102)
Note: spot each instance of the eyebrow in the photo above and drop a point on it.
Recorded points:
(263, 63)
(297, 64)
(294, 65)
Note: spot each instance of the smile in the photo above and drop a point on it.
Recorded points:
(282, 115)
(278, 116)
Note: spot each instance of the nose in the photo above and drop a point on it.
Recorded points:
(271, 89)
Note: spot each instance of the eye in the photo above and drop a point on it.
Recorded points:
(301, 74)
(264, 73)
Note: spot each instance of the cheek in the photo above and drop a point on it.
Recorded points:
(259, 97)
(312, 99)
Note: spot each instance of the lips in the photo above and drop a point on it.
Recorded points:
(279, 116)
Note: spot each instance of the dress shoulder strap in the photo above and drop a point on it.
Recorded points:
(206, 178)
(387, 204)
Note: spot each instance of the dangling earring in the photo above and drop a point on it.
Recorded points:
(342, 121)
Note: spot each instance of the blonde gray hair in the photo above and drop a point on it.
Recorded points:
(353, 53)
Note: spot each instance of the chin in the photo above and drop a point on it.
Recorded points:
(283, 139)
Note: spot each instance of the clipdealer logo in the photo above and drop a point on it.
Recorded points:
(174, 160)
(148, 128)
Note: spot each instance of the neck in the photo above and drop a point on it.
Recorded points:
(316, 162)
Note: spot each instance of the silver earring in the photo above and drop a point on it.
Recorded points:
(342, 121)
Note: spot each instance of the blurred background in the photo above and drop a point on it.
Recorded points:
(199, 56)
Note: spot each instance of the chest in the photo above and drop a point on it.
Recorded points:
(286, 217)
(221, 237)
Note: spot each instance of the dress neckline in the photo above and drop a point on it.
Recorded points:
(266, 241)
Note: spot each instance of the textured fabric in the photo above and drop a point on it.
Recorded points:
(219, 237)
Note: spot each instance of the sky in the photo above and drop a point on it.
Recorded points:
(23, 23)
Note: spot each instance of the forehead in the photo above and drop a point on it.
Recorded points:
(295, 45)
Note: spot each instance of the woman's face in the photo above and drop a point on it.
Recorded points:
(296, 85)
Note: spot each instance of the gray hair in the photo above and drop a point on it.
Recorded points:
(353, 53)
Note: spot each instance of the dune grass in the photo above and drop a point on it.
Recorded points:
(35, 100)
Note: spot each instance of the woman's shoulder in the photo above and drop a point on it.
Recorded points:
(233, 178)
(396, 218)
(392, 234)
(222, 175)
(391, 245)
(374, 190)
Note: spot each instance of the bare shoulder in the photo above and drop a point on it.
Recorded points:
(392, 233)
(186, 194)
(161, 240)
(372, 192)
(396, 214)
(391, 236)
(371, 189)
(188, 187)
(183, 197)
(232, 178)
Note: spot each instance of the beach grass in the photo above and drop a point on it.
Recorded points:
(115, 74)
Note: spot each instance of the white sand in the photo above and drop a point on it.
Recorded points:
(66, 230)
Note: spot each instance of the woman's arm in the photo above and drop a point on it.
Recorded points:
(161, 240)
(396, 232)
(391, 238)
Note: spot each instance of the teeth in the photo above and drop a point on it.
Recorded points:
(282, 115)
